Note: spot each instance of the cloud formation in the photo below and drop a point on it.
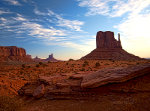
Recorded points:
(113, 8)
(60, 21)
(13, 2)
(2, 11)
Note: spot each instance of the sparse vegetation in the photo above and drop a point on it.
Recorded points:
(71, 60)
(10, 104)
(37, 65)
(86, 63)
(40, 63)
(23, 65)
(97, 64)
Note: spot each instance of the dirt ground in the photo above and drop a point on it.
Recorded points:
(13, 77)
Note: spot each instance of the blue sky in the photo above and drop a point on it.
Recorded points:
(67, 28)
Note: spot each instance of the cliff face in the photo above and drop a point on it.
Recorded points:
(107, 40)
(13, 53)
(107, 47)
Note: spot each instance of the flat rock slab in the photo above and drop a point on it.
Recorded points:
(113, 75)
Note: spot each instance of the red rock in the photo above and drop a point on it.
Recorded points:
(39, 91)
(107, 47)
(13, 53)
(50, 58)
(113, 75)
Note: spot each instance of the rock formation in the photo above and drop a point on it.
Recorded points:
(13, 53)
(50, 58)
(85, 85)
(107, 47)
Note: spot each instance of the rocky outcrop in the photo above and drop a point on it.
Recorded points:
(107, 40)
(113, 75)
(50, 59)
(13, 53)
(107, 47)
(85, 85)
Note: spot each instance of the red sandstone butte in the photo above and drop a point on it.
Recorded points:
(13, 53)
(107, 47)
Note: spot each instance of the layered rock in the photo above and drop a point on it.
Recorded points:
(85, 85)
(107, 47)
(13, 53)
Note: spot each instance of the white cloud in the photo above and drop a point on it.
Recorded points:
(132, 6)
(95, 6)
(36, 11)
(60, 21)
(13, 2)
(20, 18)
(37, 30)
(113, 8)
(4, 12)
(72, 24)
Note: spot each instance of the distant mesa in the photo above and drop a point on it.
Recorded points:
(107, 47)
(50, 58)
(13, 53)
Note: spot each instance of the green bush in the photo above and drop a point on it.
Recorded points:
(10, 104)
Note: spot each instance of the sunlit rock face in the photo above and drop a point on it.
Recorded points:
(107, 47)
(13, 53)
(107, 40)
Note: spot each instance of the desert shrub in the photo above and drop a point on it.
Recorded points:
(71, 60)
(85, 63)
(40, 63)
(28, 66)
(37, 65)
(67, 63)
(10, 104)
(82, 69)
(23, 65)
(97, 64)
(49, 61)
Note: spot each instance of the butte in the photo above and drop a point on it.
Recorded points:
(108, 48)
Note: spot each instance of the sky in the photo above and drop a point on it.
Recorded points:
(67, 28)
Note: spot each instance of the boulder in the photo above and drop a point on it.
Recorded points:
(113, 75)
(39, 91)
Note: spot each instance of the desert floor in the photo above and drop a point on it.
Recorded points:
(13, 76)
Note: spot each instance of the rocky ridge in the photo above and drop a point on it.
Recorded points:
(13, 53)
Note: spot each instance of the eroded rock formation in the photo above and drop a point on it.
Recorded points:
(85, 85)
(13, 53)
(107, 47)
(50, 59)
